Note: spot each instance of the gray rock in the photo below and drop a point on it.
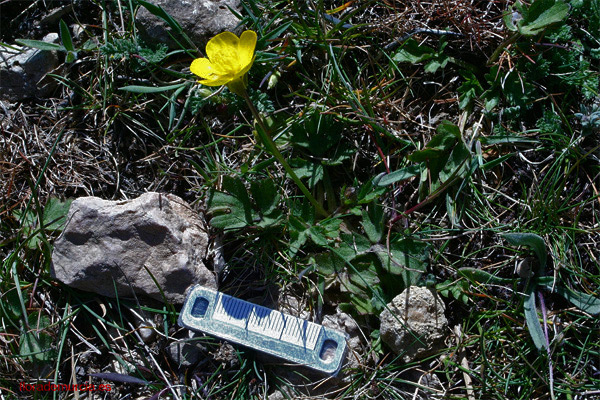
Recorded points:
(108, 244)
(417, 329)
(23, 71)
(200, 20)
(345, 323)
(185, 354)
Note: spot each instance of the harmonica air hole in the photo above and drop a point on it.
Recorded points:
(328, 350)
(199, 308)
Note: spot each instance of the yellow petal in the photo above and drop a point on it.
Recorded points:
(222, 50)
(203, 68)
(219, 81)
(246, 49)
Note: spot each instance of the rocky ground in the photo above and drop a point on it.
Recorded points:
(452, 145)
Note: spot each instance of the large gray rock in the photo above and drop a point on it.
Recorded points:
(199, 19)
(121, 243)
(417, 328)
(23, 71)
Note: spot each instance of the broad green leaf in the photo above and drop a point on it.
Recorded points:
(10, 305)
(328, 263)
(65, 36)
(540, 15)
(298, 234)
(39, 44)
(532, 319)
(413, 53)
(230, 210)
(405, 257)
(35, 343)
(372, 222)
(352, 245)
(306, 169)
(370, 191)
(398, 175)
(150, 89)
(457, 164)
(535, 242)
(55, 214)
(265, 195)
(583, 301)
(476, 275)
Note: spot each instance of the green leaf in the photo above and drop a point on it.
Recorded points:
(265, 195)
(305, 169)
(39, 44)
(413, 53)
(227, 211)
(318, 134)
(230, 210)
(535, 242)
(329, 264)
(353, 245)
(480, 276)
(372, 222)
(370, 191)
(396, 176)
(55, 214)
(540, 15)
(405, 257)
(505, 139)
(150, 89)
(65, 36)
(10, 305)
(583, 301)
(36, 344)
(457, 164)
(532, 319)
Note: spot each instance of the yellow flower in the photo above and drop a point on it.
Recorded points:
(229, 59)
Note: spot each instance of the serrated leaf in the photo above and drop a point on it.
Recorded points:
(532, 319)
(535, 242)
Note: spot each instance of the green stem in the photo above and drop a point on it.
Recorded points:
(263, 133)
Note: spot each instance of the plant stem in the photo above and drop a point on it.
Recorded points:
(263, 133)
